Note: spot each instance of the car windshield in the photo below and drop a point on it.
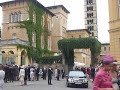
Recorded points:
(76, 74)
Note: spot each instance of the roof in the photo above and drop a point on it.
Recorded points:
(80, 30)
(50, 7)
(105, 44)
(34, 1)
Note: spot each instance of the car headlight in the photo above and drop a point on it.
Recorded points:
(85, 80)
(70, 80)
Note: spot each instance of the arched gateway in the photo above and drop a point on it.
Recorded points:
(23, 56)
(67, 46)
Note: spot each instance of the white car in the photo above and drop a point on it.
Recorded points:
(77, 78)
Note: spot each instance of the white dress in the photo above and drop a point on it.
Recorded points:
(55, 73)
(32, 74)
(21, 76)
(2, 75)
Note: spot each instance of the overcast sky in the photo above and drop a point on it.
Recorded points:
(76, 16)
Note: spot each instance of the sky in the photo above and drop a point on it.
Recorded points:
(76, 16)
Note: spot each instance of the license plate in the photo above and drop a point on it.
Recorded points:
(78, 83)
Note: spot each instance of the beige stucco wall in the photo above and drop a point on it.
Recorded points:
(114, 29)
(59, 26)
(83, 58)
(10, 28)
(77, 33)
(103, 46)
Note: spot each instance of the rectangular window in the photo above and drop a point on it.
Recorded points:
(89, 2)
(49, 28)
(87, 21)
(84, 60)
(49, 44)
(104, 48)
(90, 8)
(92, 28)
(119, 8)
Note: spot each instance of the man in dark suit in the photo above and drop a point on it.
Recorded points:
(37, 73)
(26, 73)
(50, 72)
(58, 74)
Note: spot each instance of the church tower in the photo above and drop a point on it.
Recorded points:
(91, 17)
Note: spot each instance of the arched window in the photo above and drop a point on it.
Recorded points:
(19, 16)
(11, 17)
(16, 17)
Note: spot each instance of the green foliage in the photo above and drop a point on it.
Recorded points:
(29, 25)
(68, 45)
(51, 59)
(46, 33)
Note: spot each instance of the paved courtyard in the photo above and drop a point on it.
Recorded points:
(42, 85)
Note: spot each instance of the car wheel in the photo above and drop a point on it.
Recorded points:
(67, 84)
(86, 86)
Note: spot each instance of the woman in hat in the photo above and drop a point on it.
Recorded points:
(103, 78)
(114, 75)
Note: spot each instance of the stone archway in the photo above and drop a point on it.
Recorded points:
(11, 58)
(67, 46)
(23, 55)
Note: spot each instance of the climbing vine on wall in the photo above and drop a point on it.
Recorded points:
(46, 33)
(35, 25)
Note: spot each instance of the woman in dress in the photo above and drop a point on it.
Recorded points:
(22, 75)
(103, 78)
(32, 74)
(55, 73)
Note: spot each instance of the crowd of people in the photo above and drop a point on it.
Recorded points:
(26, 73)
(104, 77)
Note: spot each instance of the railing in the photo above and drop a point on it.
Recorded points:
(13, 41)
